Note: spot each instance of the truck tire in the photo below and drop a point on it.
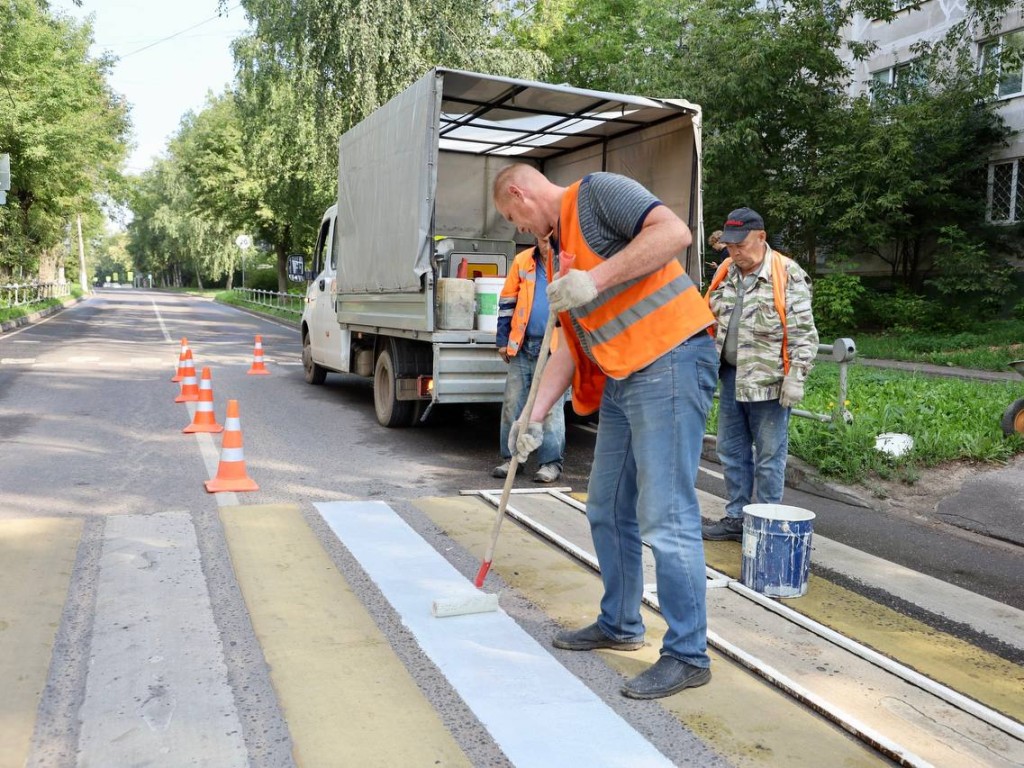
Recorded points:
(391, 412)
(313, 372)
(1013, 418)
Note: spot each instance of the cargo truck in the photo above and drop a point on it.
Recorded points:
(387, 298)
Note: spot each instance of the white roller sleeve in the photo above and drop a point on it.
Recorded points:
(480, 602)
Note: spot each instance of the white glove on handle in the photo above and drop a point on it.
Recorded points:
(528, 442)
(571, 291)
(792, 391)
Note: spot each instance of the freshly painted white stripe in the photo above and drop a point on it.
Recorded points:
(17, 360)
(533, 707)
(156, 693)
(711, 472)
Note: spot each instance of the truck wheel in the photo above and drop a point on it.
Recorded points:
(314, 373)
(1013, 418)
(391, 412)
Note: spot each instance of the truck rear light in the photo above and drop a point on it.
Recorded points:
(425, 386)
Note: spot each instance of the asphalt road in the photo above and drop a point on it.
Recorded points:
(89, 433)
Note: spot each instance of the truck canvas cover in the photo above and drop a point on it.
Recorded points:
(423, 165)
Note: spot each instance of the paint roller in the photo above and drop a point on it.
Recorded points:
(483, 602)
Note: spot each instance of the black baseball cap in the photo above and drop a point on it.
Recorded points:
(740, 223)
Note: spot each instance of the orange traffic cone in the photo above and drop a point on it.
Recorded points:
(189, 388)
(204, 420)
(181, 360)
(257, 360)
(231, 475)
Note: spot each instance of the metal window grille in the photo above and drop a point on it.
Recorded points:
(1001, 194)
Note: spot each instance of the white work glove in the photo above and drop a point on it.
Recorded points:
(571, 291)
(523, 445)
(792, 390)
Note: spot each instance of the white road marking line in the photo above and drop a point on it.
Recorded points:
(712, 472)
(160, 320)
(17, 360)
(531, 704)
(156, 691)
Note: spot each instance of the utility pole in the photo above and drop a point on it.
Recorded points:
(81, 259)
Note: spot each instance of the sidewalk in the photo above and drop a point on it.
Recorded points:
(939, 370)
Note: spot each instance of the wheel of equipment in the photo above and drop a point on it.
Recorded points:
(314, 373)
(1013, 418)
(391, 412)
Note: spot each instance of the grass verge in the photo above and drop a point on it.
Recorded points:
(949, 420)
(990, 347)
(230, 297)
(13, 313)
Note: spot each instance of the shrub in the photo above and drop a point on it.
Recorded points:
(264, 279)
(835, 300)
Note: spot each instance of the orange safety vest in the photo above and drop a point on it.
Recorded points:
(520, 288)
(779, 278)
(627, 327)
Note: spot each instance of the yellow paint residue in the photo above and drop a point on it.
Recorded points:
(346, 696)
(37, 556)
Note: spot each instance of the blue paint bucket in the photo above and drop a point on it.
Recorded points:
(776, 549)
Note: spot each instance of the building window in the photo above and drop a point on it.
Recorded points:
(1005, 192)
(908, 74)
(1004, 55)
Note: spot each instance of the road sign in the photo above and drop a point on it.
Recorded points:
(243, 241)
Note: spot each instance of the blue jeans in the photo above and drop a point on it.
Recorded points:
(517, 389)
(643, 488)
(753, 441)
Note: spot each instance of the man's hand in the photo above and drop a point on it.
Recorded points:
(792, 390)
(528, 442)
(504, 354)
(571, 291)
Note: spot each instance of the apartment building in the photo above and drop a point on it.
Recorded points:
(930, 20)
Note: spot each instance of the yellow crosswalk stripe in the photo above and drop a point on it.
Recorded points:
(37, 556)
(340, 685)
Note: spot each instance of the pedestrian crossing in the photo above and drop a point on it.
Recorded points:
(328, 587)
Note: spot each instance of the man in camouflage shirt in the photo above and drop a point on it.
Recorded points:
(757, 393)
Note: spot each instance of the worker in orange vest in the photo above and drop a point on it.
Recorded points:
(637, 348)
(522, 317)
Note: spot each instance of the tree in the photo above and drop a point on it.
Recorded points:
(65, 130)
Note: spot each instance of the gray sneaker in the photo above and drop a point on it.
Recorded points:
(502, 469)
(726, 529)
(548, 473)
(591, 637)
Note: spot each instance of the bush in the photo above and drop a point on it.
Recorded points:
(901, 311)
(264, 279)
(1018, 310)
(835, 301)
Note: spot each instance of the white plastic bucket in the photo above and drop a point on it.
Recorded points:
(488, 289)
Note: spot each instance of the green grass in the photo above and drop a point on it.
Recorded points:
(12, 313)
(949, 420)
(989, 347)
(230, 297)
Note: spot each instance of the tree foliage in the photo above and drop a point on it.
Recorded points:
(65, 130)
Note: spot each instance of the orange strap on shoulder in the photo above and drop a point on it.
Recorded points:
(779, 278)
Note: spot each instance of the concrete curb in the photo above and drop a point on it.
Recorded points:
(801, 476)
(35, 317)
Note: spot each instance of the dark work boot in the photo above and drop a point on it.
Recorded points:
(589, 638)
(665, 677)
(726, 529)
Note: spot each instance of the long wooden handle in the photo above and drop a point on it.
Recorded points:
(513, 466)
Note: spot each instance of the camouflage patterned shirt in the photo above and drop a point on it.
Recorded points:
(759, 370)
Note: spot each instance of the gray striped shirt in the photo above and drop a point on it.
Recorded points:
(612, 209)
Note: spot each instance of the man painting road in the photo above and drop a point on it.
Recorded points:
(638, 349)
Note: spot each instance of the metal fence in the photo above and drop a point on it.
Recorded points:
(22, 294)
(842, 351)
(291, 303)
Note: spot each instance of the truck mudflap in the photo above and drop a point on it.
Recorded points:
(468, 373)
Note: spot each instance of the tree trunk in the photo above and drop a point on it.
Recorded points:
(281, 249)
